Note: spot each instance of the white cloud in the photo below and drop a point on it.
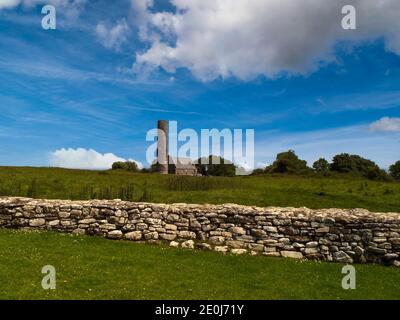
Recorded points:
(261, 165)
(386, 124)
(112, 37)
(69, 8)
(9, 3)
(247, 38)
(84, 159)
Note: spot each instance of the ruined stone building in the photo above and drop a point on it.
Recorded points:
(168, 164)
(182, 167)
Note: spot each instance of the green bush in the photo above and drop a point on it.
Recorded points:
(358, 166)
(127, 165)
(289, 162)
(119, 166)
(321, 166)
(394, 170)
(217, 167)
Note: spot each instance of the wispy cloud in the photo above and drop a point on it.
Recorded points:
(357, 101)
(47, 70)
(112, 37)
(159, 110)
(386, 124)
(69, 8)
(311, 145)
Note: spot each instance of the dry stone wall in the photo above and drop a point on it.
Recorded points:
(345, 236)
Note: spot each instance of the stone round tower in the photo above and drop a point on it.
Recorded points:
(162, 146)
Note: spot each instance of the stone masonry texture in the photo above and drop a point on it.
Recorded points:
(339, 235)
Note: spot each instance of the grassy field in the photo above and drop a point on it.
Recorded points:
(311, 192)
(97, 268)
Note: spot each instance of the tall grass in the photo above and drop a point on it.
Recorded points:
(186, 183)
(84, 192)
(312, 192)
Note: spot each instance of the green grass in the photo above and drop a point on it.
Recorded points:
(312, 192)
(97, 268)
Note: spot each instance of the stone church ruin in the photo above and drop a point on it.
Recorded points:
(168, 164)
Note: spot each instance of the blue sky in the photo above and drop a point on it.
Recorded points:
(74, 87)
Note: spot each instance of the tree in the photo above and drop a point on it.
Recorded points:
(321, 166)
(356, 165)
(217, 166)
(132, 166)
(155, 167)
(289, 162)
(127, 165)
(394, 170)
(119, 165)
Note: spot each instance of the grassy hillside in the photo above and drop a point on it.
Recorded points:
(97, 268)
(259, 190)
